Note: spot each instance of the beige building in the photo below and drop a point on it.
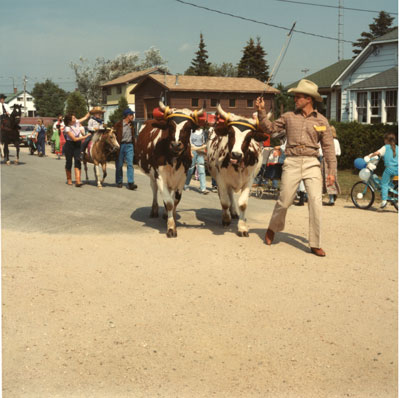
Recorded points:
(121, 87)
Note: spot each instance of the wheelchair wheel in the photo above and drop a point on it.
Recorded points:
(362, 195)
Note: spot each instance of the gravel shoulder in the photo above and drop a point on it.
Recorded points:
(126, 312)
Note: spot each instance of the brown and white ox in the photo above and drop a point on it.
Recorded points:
(163, 153)
(234, 157)
(102, 148)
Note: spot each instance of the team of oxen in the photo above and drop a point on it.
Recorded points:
(163, 152)
(234, 150)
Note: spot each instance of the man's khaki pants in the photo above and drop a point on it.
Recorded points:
(295, 169)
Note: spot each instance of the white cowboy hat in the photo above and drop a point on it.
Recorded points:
(307, 87)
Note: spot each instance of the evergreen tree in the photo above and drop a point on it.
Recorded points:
(76, 105)
(200, 66)
(382, 25)
(49, 99)
(253, 63)
(284, 102)
(117, 115)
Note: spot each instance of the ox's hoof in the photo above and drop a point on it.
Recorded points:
(100, 186)
(165, 216)
(154, 214)
(16, 162)
(172, 233)
(243, 234)
(8, 163)
(234, 216)
(226, 223)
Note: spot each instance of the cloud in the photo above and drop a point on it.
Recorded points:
(184, 47)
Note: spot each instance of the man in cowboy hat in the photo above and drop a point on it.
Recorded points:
(305, 129)
(4, 108)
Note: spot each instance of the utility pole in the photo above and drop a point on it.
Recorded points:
(25, 110)
(340, 30)
(11, 77)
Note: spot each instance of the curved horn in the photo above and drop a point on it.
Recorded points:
(166, 109)
(223, 114)
(200, 112)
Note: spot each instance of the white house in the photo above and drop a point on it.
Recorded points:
(19, 98)
(366, 91)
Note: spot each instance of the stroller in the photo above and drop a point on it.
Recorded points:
(31, 144)
(270, 173)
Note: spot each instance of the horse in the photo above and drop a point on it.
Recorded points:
(10, 132)
(102, 148)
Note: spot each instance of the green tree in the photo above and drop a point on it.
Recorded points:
(284, 102)
(90, 76)
(200, 66)
(76, 104)
(380, 26)
(253, 63)
(49, 99)
(226, 69)
(116, 116)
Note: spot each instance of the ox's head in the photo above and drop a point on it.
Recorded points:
(240, 132)
(109, 139)
(178, 123)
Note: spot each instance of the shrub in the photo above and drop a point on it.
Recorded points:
(358, 140)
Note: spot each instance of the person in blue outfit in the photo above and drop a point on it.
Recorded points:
(125, 133)
(40, 136)
(390, 154)
(198, 139)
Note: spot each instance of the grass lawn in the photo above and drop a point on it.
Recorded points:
(347, 178)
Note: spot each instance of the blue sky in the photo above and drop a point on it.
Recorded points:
(40, 38)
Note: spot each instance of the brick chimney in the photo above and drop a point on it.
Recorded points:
(15, 90)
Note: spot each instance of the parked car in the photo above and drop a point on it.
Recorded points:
(25, 133)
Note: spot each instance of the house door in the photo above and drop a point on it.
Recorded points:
(149, 105)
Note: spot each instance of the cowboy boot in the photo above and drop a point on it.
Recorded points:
(78, 177)
(69, 179)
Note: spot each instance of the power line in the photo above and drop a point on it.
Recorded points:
(259, 22)
(325, 5)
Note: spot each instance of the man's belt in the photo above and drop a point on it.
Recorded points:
(126, 142)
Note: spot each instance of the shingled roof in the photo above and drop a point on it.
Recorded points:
(211, 83)
(325, 77)
(392, 35)
(386, 79)
(131, 76)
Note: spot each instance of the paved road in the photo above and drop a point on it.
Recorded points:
(35, 198)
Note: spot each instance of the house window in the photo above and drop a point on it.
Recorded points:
(108, 90)
(376, 101)
(195, 102)
(362, 107)
(20, 98)
(119, 89)
(250, 103)
(214, 102)
(232, 103)
(391, 106)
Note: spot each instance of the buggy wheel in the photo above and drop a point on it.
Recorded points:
(362, 195)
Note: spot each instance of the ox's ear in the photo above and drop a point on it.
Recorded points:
(160, 124)
(221, 130)
(259, 136)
